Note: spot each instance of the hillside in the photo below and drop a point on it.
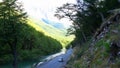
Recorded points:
(47, 28)
(102, 51)
(51, 31)
(32, 45)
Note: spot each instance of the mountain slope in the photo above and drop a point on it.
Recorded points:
(49, 30)
(54, 24)
(104, 52)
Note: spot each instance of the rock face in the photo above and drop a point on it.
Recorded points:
(104, 28)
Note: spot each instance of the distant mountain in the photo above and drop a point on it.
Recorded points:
(48, 28)
(54, 24)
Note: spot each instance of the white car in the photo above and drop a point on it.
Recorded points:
(60, 59)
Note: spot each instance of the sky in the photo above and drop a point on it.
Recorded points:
(45, 9)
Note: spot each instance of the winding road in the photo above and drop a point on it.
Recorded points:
(54, 63)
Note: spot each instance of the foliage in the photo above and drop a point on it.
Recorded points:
(87, 16)
(101, 51)
(32, 45)
(11, 17)
(18, 40)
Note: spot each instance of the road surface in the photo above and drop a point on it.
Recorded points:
(54, 63)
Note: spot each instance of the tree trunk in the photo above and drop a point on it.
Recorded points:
(14, 56)
(102, 17)
(13, 47)
(84, 36)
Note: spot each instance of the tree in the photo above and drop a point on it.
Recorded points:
(11, 19)
(87, 15)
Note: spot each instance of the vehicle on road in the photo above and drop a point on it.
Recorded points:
(60, 59)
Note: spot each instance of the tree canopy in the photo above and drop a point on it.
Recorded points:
(87, 16)
(18, 40)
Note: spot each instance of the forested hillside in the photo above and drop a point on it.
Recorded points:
(100, 52)
(96, 25)
(47, 29)
(32, 45)
(20, 41)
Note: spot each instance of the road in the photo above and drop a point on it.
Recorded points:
(54, 63)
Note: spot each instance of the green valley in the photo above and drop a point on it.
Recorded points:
(58, 34)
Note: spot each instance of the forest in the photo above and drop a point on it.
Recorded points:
(20, 41)
(95, 26)
(87, 16)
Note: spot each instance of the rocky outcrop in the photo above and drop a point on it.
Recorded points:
(114, 19)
